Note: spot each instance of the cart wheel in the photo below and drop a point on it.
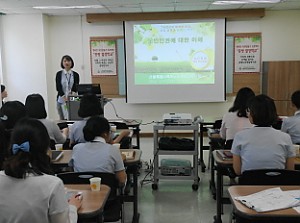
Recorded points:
(154, 186)
(195, 186)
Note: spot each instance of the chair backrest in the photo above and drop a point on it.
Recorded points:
(270, 177)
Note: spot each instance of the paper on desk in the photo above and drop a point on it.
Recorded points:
(269, 200)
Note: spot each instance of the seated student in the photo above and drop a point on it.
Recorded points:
(35, 106)
(291, 125)
(236, 119)
(89, 106)
(262, 147)
(11, 112)
(96, 154)
(28, 192)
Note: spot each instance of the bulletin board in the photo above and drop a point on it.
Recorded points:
(104, 64)
(246, 61)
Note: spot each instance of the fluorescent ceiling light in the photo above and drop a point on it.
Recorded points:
(69, 7)
(231, 2)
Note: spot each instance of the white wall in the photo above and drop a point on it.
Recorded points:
(24, 68)
(32, 57)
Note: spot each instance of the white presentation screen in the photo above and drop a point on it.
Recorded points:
(175, 61)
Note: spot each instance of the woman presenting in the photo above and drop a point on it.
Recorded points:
(66, 83)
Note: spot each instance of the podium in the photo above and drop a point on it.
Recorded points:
(74, 102)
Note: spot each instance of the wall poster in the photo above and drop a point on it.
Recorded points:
(247, 54)
(103, 52)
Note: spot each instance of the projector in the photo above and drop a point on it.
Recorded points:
(175, 167)
(177, 119)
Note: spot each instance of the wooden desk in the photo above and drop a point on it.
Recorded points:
(221, 166)
(92, 201)
(244, 214)
(131, 169)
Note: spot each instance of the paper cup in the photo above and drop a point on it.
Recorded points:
(59, 146)
(95, 183)
(113, 128)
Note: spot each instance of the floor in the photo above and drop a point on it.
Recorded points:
(174, 201)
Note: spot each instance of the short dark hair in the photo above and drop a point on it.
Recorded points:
(296, 99)
(35, 106)
(95, 126)
(263, 110)
(11, 112)
(68, 58)
(2, 88)
(89, 106)
(240, 102)
(35, 161)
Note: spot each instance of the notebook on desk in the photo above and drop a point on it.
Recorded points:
(129, 154)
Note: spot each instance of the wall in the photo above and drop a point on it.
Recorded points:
(31, 60)
(24, 68)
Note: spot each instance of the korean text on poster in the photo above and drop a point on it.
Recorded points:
(247, 53)
(103, 57)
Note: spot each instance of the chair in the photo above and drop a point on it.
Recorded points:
(114, 208)
(125, 142)
(270, 177)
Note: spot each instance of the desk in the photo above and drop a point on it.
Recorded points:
(203, 128)
(244, 214)
(132, 124)
(220, 165)
(133, 170)
(92, 201)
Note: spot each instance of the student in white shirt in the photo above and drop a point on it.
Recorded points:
(96, 154)
(262, 147)
(291, 125)
(29, 193)
(35, 106)
(236, 119)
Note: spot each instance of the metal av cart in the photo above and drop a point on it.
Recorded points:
(194, 129)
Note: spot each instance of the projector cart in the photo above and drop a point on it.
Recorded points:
(158, 131)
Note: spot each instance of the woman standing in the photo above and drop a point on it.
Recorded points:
(66, 83)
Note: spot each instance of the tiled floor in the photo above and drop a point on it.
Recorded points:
(175, 201)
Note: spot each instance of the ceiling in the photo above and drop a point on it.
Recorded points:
(131, 6)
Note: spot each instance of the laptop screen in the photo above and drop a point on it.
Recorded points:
(88, 88)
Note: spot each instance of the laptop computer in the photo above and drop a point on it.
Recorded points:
(88, 88)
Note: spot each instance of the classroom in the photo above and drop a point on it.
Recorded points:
(32, 45)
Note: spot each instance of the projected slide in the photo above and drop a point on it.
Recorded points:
(174, 53)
